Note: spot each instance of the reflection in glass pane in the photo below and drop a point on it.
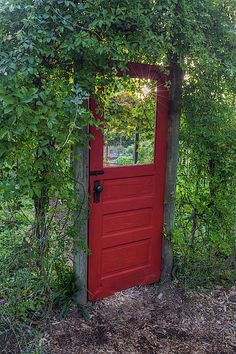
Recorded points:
(129, 122)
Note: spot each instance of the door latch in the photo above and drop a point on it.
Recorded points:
(97, 189)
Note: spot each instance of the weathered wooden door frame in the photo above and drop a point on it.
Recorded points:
(82, 172)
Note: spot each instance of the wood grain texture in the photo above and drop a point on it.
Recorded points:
(81, 174)
(171, 167)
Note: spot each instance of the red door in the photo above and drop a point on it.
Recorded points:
(126, 217)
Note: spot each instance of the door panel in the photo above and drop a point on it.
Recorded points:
(124, 188)
(128, 256)
(126, 220)
(125, 226)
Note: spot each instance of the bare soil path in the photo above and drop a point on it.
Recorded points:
(145, 320)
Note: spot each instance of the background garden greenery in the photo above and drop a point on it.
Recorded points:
(54, 54)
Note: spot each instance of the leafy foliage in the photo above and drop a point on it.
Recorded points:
(129, 119)
(205, 230)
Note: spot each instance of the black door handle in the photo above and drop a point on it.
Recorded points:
(97, 189)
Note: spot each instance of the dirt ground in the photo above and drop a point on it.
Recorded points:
(149, 320)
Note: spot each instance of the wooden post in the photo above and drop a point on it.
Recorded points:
(136, 145)
(176, 74)
(81, 175)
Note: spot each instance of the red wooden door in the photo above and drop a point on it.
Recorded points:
(126, 217)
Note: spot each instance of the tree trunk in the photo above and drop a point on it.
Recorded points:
(41, 204)
(171, 166)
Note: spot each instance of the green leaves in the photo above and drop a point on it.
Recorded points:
(27, 95)
(47, 46)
